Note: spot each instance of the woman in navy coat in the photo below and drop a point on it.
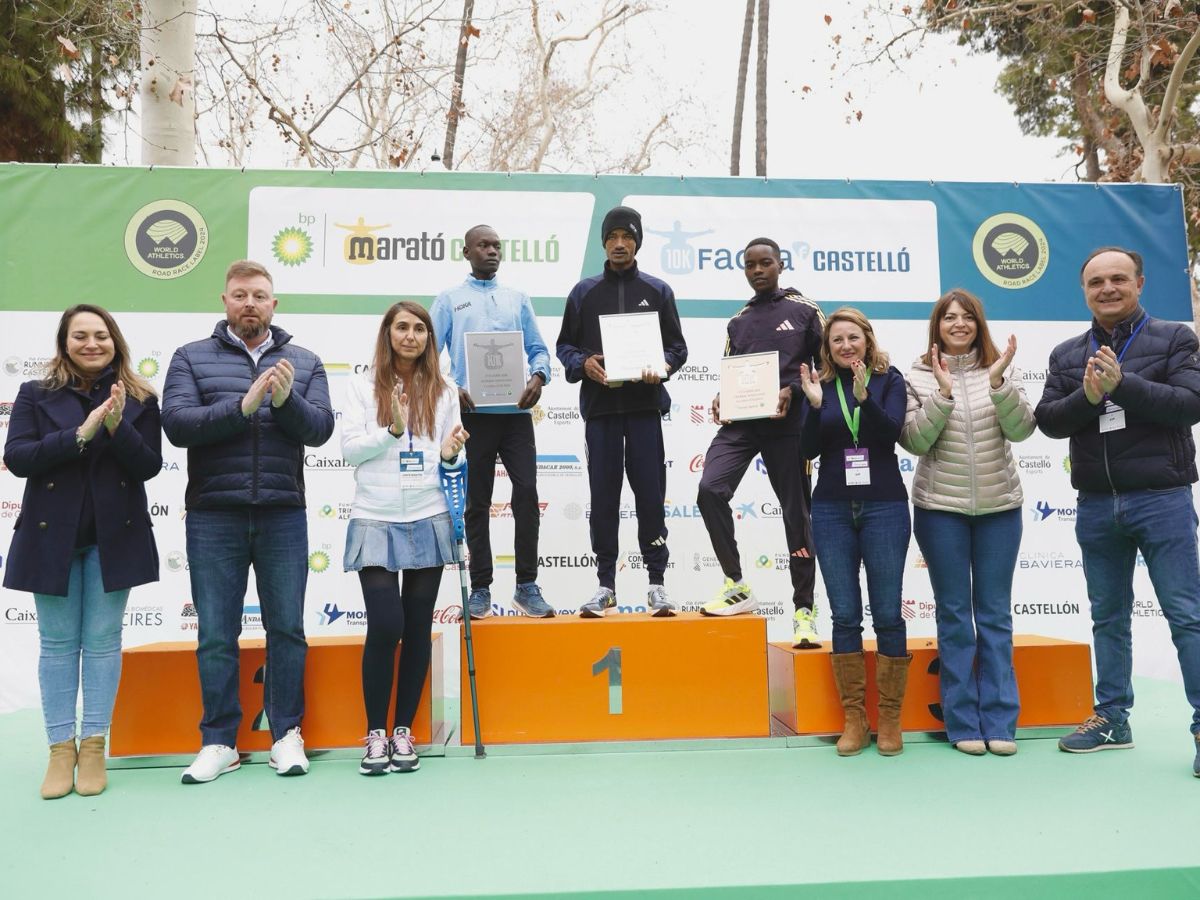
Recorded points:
(85, 438)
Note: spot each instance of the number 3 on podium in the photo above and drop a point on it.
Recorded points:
(611, 662)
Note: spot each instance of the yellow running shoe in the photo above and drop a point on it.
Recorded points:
(733, 598)
(804, 633)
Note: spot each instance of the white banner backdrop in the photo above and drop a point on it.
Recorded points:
(1049, 597)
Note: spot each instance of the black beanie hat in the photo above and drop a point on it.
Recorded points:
(622, 217)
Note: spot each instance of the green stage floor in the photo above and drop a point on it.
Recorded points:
(775, 822)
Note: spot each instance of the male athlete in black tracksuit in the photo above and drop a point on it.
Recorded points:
(623, 420)
(789, 323)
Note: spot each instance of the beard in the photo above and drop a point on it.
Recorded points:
(249, 330)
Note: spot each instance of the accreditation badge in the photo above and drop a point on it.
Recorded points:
(858, 466)
(1112, 419)
(412, 468)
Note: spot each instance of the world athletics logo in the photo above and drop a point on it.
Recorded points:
(1010, 250)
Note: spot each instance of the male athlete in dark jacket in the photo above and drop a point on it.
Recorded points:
(622, 420)
(790, 324)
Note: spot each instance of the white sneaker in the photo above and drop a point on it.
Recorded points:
(287, 754)
(212, 761)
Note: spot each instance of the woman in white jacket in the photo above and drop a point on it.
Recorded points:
(400, 423)
(965, 404)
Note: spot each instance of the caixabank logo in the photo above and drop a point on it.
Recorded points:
(1010, 250)
(166, 239)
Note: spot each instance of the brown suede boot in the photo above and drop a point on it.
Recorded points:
(60, 773)
(92, 777)
(850, 675)
(891, 677)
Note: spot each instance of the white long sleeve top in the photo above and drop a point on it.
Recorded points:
(375, 454)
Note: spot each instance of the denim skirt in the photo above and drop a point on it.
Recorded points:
(399, 545)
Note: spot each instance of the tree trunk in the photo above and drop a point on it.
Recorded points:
(760, 100)
(168, 66)
(460, 71)
(739, 103)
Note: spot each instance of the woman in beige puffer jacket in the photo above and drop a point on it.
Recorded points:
(965, 405)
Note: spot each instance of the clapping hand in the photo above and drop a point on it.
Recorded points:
(116, 404)
(281, 385)
(810, 383)
(454, 443)
(258, 391)
(92, 423)
(861, 374)
(999, 367)
(1108, 368)
(399, 410)
(941, 372)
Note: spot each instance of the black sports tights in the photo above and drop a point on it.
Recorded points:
(395, 615)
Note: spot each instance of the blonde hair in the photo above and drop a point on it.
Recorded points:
(62, 372)
(247, 268)
(875, 359)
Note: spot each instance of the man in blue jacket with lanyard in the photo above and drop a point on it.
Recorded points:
(622, 420)
(245, 402)
(1127, 393)
(482, 304)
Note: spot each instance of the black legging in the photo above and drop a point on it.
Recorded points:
(394, 616)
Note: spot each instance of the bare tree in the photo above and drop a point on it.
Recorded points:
(739, 102)
(760, 100)
(167, 94)
(456, 94)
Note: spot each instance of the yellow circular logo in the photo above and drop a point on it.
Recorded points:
(1010, 250)
(166, 239)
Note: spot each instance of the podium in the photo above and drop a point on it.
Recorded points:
(158, 708)
(1054, 679)
(626, 677)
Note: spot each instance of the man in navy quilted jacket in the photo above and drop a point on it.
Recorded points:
(245, 402)
(1127, 393)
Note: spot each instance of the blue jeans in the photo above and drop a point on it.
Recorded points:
(84, 624)
(222, 544)
(1111, 529)
(873, 534)
(971, 561)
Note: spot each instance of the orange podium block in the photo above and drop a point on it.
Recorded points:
(623, 677)
(1054, 678)
(159, 708)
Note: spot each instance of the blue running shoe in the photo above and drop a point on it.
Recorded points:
(1097, 733)
(479, 604)
(529, 600)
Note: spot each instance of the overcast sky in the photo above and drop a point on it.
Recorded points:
(936, 118)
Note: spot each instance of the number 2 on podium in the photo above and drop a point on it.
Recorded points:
(611, 662)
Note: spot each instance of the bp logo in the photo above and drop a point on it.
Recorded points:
(318, 561)
(1010, 250)
(292, 246)
(148, 367)
(166, 239)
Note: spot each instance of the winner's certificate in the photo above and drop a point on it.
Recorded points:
(749, 386)
(632, 342)
(495, 367)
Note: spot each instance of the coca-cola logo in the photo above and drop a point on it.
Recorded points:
(697, 463)
(450, 615)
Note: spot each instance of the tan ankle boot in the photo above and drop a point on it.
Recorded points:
(60, 773)
(891, 677)
(92, 777)
(850, 675)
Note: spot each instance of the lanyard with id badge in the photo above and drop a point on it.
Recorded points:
(857, 459)
(1113, 417)
(412, 466)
